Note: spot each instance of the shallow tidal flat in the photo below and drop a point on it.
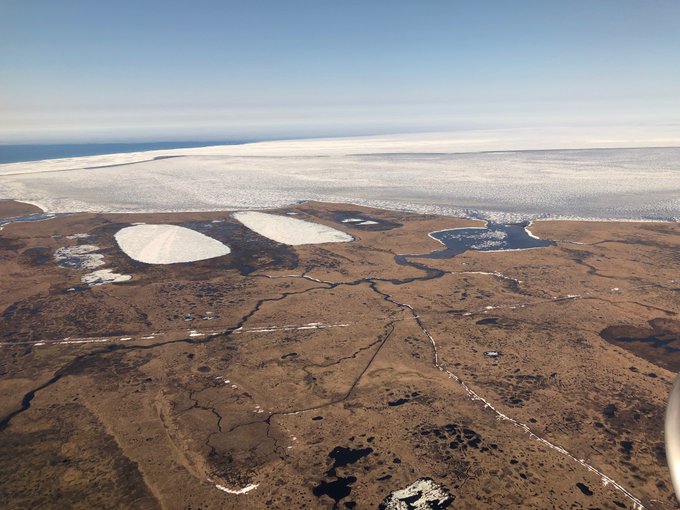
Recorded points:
(344, 374)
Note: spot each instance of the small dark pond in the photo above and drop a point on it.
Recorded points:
(335, 489)
(658, 342)
(340, 487)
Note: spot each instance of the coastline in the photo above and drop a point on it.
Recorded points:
(459, 214)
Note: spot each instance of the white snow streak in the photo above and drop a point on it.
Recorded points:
(244, 490)
(311, 325)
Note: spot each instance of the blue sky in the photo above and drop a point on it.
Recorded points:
(94, 70)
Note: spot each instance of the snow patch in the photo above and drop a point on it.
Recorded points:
(102, 276)
(292, 231)
(423, 494)
(79, 257)
(168, 244)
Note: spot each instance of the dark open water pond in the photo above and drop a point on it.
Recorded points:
(493, 237)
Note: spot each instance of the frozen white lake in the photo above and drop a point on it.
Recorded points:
(424, 173)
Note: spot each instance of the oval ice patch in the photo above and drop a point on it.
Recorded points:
(292, 231)
(168, 244)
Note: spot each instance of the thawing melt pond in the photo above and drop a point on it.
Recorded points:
(493, 237)
(28, 218)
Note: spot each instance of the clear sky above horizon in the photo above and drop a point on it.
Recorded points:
(79, 70)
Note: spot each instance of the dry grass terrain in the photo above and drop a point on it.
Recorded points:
(331, 375)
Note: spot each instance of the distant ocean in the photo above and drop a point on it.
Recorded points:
(19, 153)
